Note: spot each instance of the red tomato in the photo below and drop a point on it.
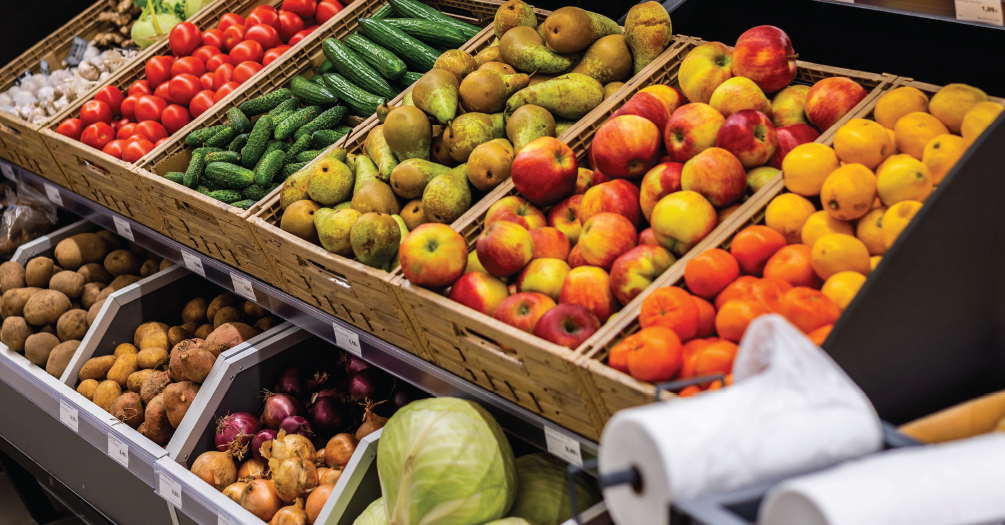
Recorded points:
(263, 34)
(246, 70)
(128, 105)
(184, 87)
(223, 75)
(231, 19)
(213, 37)
(95, 111)
(217, 61)
(70, 127)
(190, 65)
(205, 53)
(206, 81)
(134, 137)
(267, 16)
(164, 91)
(97, 135)
(126, 130)
(118, 124)
(159, 142)
(153, 130)
(202, 101)
(290, 24)
(304, 8)
(245, 51)
(184, 39)
(175, 117)
(135, 150)
(150, 107)
(273, 54)
(266, 8)
(140, 87)
(232, 36)
(295, 39)
(225, 90)
(112, 96)
(158, 70)
(114, 148)
(327, 10)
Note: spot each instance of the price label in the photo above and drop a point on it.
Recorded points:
(193, 263)
(563, 446)
(68, 415)
(24, 76)
(169, 489)
(223, 518)
(43, 65)
(8, 171)
(118, 450)
(125, 230)
(53, 193)
(347, 340)
(77, 50)
(986, 11)
(242, 286)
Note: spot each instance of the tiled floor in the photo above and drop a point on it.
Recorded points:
(12, 511)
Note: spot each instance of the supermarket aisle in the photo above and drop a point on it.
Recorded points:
(12, 511)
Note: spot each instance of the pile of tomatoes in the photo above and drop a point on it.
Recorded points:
(203, 68)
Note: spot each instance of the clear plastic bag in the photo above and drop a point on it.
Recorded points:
(27, 215)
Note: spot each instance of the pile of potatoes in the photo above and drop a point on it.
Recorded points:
(48, 306)
(150, 388)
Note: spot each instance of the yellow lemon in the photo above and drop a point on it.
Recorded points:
(978, 118)
(897, 103)
(941, 154)
(870, 231)
(862, 141)
(848, 192)
(893, 141)
(914, 130)
(952, 102)
(841, 287)
(837, 252)
(902, 178)
(820, 224)
(896, 218)
(874, 261)
(807, 166)
(787, 213)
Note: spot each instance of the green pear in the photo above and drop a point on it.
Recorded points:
(570, 96)
(523, 48)
(294, 188)
(447, 196)
(408, 133)
(347, 205)
(436, 93)
(466, 132)
(380, 152)
(498, 125)
(402, 226)
(512, 14)
(375, 238)
(334, 227)
(410, 177)
(366, 171)
(375, 196)
(527, 123)
(330, 182)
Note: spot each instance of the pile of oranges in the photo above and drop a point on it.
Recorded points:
(845, 207)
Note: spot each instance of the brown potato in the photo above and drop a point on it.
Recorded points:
(86, 388)
(253, 310)
(136, 379)
(38, 346)
(196, 364)
(203, 331)
(125, 348)
(93, 311)
(174, 364)
(223, 300)
(124, 366)
(137, 250)
(178, 334)
(117, 284)
(97, 367)
(45, 307)
(266, 323)
(227, 337)
(177, 398)
(13, 301)
(128, 409)
(38, 272)
(11, 276)
(48, 329)
(83, 248)
(191, 327)
(152, 357)
(60, 358)
(165, 264)
(94, 273)
(106, 394)
(227, 314)
(70, 283)
(75, 305)
(122, 262)
(114, 241)
(151, 335)
(72, 325)
(14, 333)
(153, 385)
(149, 267)
(156, 425)
(194, 311)
(90, 294)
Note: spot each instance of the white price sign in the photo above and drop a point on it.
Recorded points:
(53, 193)
(169, 489)
(347, 340)
(8, 171)
(242, 286)
(68, 415)
(118, 450)
(986, 11)
(193, 263)
(563, 446)
(223, 518)
(123, 228)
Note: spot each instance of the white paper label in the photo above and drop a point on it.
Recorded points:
(987, 11)
(8, 171)
(193, 263)
(563, 446)
(169, 489)
(125, 230)
(68, 415)
(118, 450)
(223, 518)
(77, 50)
(347, 340)
(53, 193)
(242, 286)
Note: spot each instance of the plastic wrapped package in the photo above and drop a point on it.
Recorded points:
(27, 215)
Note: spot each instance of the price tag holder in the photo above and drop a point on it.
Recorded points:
(222, 518)
(77, 50)
(193, 262)
(43, 65)
(8, 171)
(985, 11)
(118, 450)
(242, 286)
(563, 446)
(53, 193)
(347, 340)
(123, 228)
(68, 415)
(169, 489)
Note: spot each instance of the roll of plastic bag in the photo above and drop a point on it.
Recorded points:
(790, 410)
(958, 483)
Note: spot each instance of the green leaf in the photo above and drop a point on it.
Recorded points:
(179, 10)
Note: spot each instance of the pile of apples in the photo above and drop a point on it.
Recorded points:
(202, 69)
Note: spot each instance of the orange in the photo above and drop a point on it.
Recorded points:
(793, 265)
(672, 308)
(819, 335)
(706, 316)
(901, 178)
(841, 287)
(753, 246)
(870, 231)
(654, 354)
(838, 252)
(897, 103)
(896, 218)
(707, 274)
(874, 261)
(769, 291)
(952, 102)
(732, 319)
(787, 213)
(848, 192)
(690, 352)
(863, 142)
(893, 141)
(978, 118)
(941, 154)
(806, 166)
(716, 358)
(808, 309)
(741, 288)
(689, 391)
(914, 130)
(821, 223)
(618, 357)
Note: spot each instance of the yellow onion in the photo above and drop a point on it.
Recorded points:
(291, 515)
(330, 476)
(294, 477)
(234, 490)
(216, 468)
(253, 469)
(260, 499)
(288, 446)
(316, 501)
(339, 450)
(371, 421)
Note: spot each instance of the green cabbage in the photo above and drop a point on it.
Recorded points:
(373, 515)
(445, 461)
(542, 496)
(510, 521)
(186, 7)
(145, 34)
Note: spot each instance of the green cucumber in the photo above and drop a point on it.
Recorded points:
(413, 9)
(325, 67)
(311, 94)
(176, 177)
(302, 144)
(352, 66)
(383, 12)
(269, 166)
(281, 116)
(418, 55)
(289, 104)
(229, 157)
(317, 80)
(229, 175)
(327, 120)
(238, 142)
(200, 136)
(203, 189)
(243, 204)
(358, 101)
(323, 138)
(264, 103)
(195, 169)
(385, 62)
(292, 123)
(257, 141)
(290, 169)
(412, 77)
(309, 155)
(222, 138)
(238, 120)
(274, 145)
(255, 192)
(432, 33)
(227, 196)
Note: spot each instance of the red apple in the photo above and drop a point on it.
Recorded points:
(636, 269)
(790, 137)
(748, 135)
(830, 99)
(584, 181)
(764, 54)
(618, 196)
(648, 237)
(703, 69)
(671, 97)
(661, 181)
(564, 217)
(717, 175)
(567, 325)
(605, 237)
(757, 178)
(648, 106)
(691, 129)
(474, 265)
(788, 106)
(433, 255)
(739, 93)
(523, 310)
(479, 291)
(505, 248)
(626, 147)
(682, 219)
(515, 209)
(576, 258)
(543, 276)
(545, 171)
(550, 243)
(591, 287)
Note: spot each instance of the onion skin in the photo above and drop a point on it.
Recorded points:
(279, 407)
(316, 501)
(234, 490)
(290, 382)
(291, 515)
(216, 468)
(296, 425)
(294, 477)
(254, 468)
(368, 383)
(260, 498)
(354, 364)
(262, 437)
(239, 427)
(371, 422)
(328, 416)
(330, 476)
(339, 450)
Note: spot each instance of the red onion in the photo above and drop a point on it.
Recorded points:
(329, 416)
(239, 428)
(260, 439)
(315, 383)
(279, 407)
(354, 364)
(290, 382)
(296, 425)
(368, 383)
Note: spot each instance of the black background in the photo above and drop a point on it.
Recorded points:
(23, 23)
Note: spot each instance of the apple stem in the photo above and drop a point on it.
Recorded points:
(794, 56)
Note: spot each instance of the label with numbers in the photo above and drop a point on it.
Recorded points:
(563, 446)
(347, 340)
(53, 193)
(987, 11)
(8, 171)
(169, 489)
(242, 286)
(24, 76)
(125, 230)
(222, 518)
(118, 450)
(77, 50)
(68, 415)
(193, 263)
(43, 65)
